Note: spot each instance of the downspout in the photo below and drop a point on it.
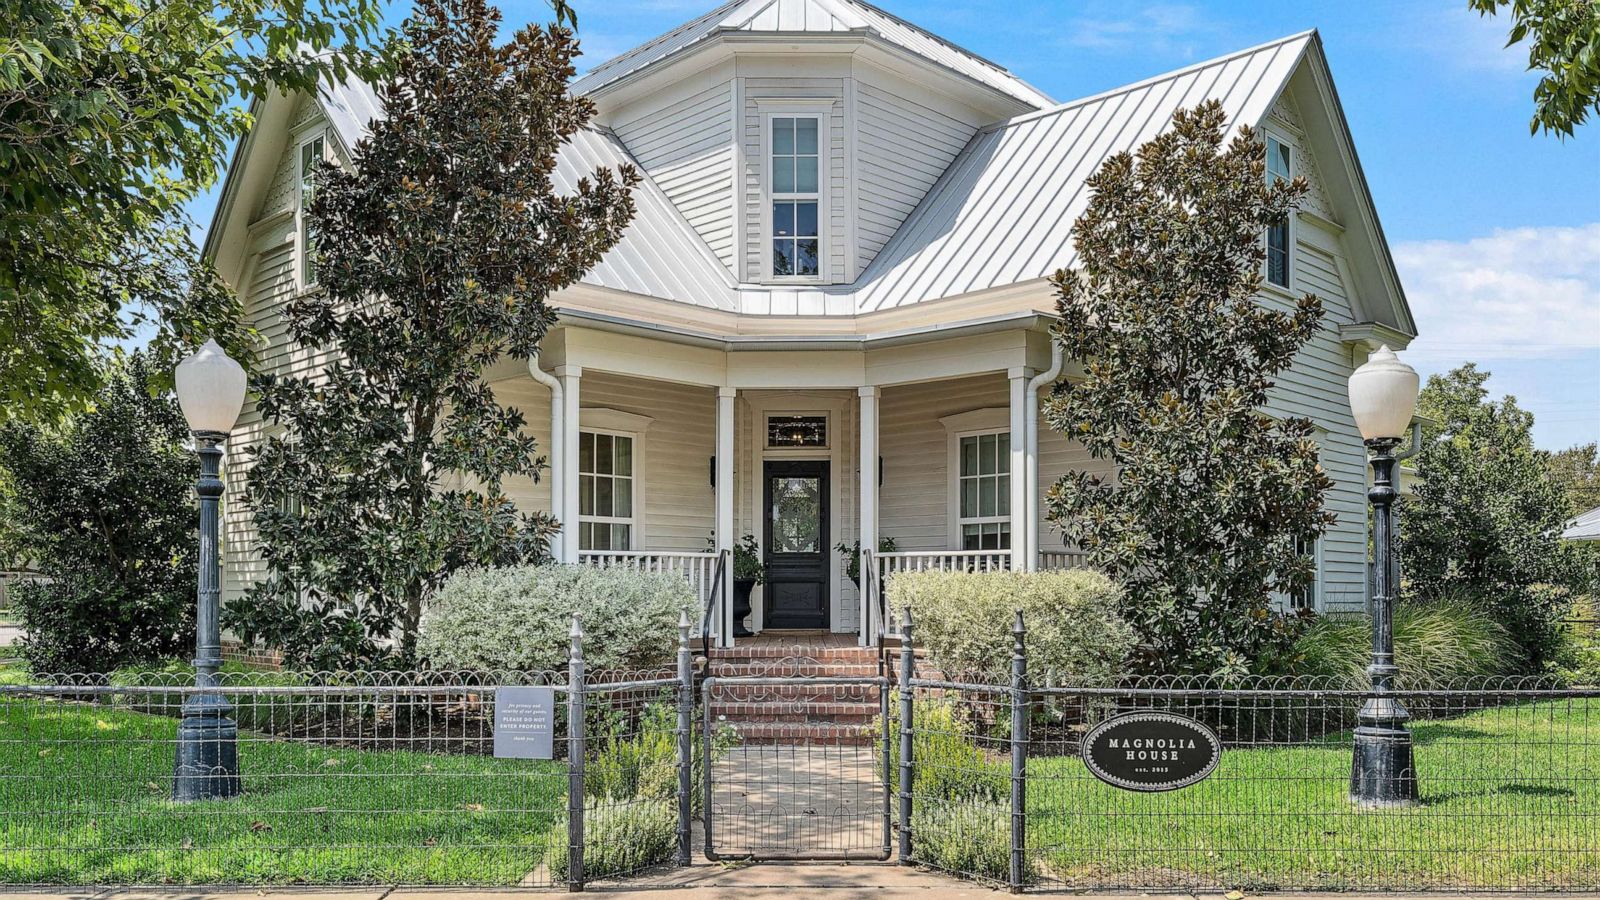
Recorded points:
(557, 501)
(1030, 528)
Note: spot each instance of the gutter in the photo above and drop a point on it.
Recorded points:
(557, 448)
(735, 343)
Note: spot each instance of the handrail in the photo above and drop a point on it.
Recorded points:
(711, 600)
(869, 583)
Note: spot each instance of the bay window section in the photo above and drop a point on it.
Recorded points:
(606, 493)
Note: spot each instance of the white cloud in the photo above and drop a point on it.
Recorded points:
(1517, 293)
(1164, 29)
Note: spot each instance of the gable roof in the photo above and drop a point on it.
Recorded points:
(660, 255)
(811, 17)
(1004, 210)
(1000, 215)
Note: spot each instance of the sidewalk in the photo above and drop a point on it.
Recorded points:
(698, 882)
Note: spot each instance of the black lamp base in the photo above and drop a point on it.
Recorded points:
(207, 767)
(1382, 773)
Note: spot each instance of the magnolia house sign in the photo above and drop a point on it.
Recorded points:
(1151, 751)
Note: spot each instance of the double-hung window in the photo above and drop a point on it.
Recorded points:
(983, 491)
(606, 493)
(1280, 167)
(311, 155)
(796, 196)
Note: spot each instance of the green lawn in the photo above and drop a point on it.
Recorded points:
(83, 799)
(1511, 798)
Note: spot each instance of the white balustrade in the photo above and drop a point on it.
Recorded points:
(697, 568)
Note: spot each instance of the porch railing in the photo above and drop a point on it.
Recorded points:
(1063, 559)
(697, 568)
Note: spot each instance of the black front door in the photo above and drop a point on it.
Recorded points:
(796, 540)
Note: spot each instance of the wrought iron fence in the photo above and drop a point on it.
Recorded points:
(998, 790)
(393, 778)
(380, 777)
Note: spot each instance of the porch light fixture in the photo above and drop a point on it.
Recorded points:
(1383, 397)
(210, 388)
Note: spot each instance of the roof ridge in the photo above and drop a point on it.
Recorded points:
(1024, 118)
(721, 9)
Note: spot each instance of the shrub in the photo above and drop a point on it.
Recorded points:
(518, 618)
(967, 837)
(266, 713)
(1434, 644)
(965, 618)
(104, 505)
(949, 767)
(618, 837)
(1578, 658)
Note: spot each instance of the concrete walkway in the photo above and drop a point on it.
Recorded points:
(699, 882)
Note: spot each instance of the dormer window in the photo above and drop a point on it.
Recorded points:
(1280, 167)
(312, 153)
(795, 192)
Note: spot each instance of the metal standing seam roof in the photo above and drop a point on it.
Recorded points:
(1583, 528)
(660, 255)
(1003, 212)
(812, 17)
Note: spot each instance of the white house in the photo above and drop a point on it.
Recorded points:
(829, 319)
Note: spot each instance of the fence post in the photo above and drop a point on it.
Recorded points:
(1019, 755)
(685, 737)
(576, 751)
(908, 668)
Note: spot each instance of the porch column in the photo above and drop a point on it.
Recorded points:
(1021, 559)
(868, 530)
(567, 462)
(722, 617)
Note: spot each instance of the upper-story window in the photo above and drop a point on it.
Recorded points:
(311, 154)
(796, 196)
(1280, 167)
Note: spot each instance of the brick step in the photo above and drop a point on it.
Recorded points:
(777, 669)
(769, 651)
(849, 735)
(797, 711)
(791, 693)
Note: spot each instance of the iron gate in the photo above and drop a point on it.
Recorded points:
(799, 765)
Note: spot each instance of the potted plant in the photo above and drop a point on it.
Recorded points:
(748, 571)
(852, 557)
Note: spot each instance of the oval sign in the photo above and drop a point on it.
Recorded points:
(1151, 751)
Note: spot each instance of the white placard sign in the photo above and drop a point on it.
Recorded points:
(524, 722)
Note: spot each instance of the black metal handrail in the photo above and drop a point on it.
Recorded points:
(711, 599)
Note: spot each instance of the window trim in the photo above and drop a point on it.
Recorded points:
(822, 111)
(1268, 138)
(616, 423)
(301, 255)
(988, 420)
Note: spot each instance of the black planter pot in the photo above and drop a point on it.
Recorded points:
(741, 605)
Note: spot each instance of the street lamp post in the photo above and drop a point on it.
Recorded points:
(1383, 396)
(210, 390)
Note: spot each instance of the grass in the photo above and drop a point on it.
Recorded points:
(1511, 798)
(84, 799)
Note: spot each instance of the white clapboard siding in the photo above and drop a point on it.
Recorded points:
(902, 147)
(687, 148)
(1315, 387)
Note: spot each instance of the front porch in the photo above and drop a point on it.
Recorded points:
(653, 468)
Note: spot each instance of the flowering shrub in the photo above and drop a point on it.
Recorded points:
(964, 620)
(518, 618)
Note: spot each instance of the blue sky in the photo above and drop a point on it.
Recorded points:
(1496, 232)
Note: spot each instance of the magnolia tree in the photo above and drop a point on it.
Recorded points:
(1214, 502)
(437, 252)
